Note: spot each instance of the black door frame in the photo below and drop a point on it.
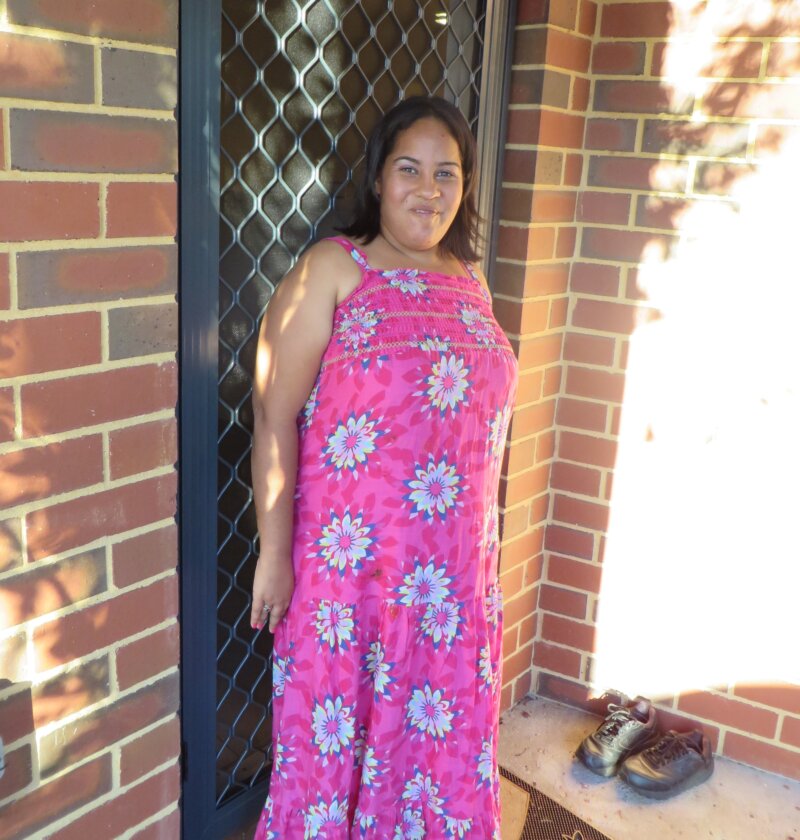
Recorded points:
(198, 298)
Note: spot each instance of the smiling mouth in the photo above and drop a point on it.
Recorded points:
(425, 211)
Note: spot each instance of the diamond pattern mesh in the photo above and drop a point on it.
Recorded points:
(303, 83)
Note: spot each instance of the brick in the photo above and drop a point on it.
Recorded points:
(529, 387)
(49, 278)
(551, 384)
(733, 713)
(55, 342)
(49, 141)
(539, 86)
(556, 658)
(563, 131)
(514, 521)
(656, 212)
(636, 20)
(568, 51)
(77, 401)
(93, 628)
(595, 384)
(520, 165)
(581, 89)
(39, 591)
(618, 58)
(563, 601)
(784, 59)
(521, 487)
(566, 631)
(139, 558)
(586, 449)
(760, 754)
(569, 541)
(520, 456)
(515, 207)
(18, 772)
(16, 712)
(587, 17)
(142, 209)
(565, 243)
(525, 244)
(166, 828)
(532, 11)
(523, 126)
(637, 173)
(506, 698)
(147, 22)
(564, 14)
(5, 275)
(549, 166)
(48, 210)
(611, 134)
(604, 208)
(680, 137)
(735, 60)
(532, 419)
(558, 313)
(89, 682)
(605, 316)
(581, 414)
(46, 69)
(41, 471)
(553, 205)
(137, 79)
(595, 279)
(570, 572)
(532, 280)
(521, 318)
(542, 350)
(517, 664)
(51, 801)
(761, 100)
(13, 657)
(525, 548)
(589, 349)
(631, 246)
(720, 178)
(150, 751)
(510, 642)
(640, 97)
(138, 449)
(784, 696)
(126, 810)
(67, 525)
(580, 512)
(530, 46)
(142, 330)
(146, 657)
(790, 731)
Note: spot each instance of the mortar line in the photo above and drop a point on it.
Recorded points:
(77, 38)
(88, 108)
(97, 76)
(7, 137)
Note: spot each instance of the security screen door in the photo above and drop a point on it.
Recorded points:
(300, 83)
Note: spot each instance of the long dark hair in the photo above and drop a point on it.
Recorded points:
(462, 238)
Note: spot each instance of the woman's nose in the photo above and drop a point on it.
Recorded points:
(428, 186)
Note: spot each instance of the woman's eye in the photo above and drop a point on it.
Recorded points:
(447, 173)
(409, 170)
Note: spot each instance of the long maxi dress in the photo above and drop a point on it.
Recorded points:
(386, 668)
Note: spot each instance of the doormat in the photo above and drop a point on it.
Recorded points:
(530, 815)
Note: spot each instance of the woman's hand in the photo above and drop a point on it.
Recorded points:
(273, 586)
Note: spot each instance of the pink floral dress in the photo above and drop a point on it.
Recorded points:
(386, 668)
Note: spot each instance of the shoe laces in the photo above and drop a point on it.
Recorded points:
(665, 750)
(619, 716)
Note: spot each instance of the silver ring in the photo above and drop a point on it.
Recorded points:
(265, 609)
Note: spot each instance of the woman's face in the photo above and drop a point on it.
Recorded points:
(420, 185)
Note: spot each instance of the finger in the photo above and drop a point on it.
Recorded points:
(275, 617)
(257, 614)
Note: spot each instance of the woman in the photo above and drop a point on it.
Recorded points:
(382, 400)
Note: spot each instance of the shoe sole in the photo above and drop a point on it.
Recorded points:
(606, 771)
(685, 785)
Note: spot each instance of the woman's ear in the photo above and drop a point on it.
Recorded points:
(376, 188)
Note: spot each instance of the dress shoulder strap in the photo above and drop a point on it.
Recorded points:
(355, 252)
(471, 270)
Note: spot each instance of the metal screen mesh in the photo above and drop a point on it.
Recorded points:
(303, 83)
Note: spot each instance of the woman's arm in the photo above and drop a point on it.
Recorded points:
(294, 334)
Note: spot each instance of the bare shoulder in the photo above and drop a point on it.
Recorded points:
(481, 276)
(326, 265)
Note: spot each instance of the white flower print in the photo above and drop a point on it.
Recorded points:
(498, 430)
(352, 442)
(429, 711)
(334, 624)
(358, 326)
(373, 767)
(441, 622)
(457, 828)
(435, 344)
(447, 384)
(324, 817)
(425, 585)
(486, 667)
(360, 744)
(280, 673)
(423, 790)
(412, 827)
(491, 534)
(470, 316)
(282, 755)
(408, 281)
(493, 605)
(486, 763)
(435, 488)
(364, 821)
(477, 324)
(310, 407)
(333, 725)
(380, 670)
(345, 541)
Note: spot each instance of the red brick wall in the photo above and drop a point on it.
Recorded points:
(602, 122)
(88, 546)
